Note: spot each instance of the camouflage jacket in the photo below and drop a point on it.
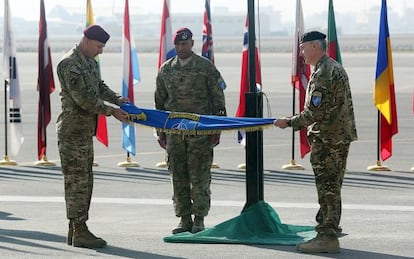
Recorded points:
(196, 87)
(82, 94)
(328, 111)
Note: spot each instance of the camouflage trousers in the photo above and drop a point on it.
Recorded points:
(329, 165)
(189, 162)
(76, 155)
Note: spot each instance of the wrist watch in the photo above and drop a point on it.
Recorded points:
(289, 123)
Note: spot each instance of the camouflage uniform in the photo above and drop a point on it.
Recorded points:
(196, 87)
(82, 95)
(329, 117)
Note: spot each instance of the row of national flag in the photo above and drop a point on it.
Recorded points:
(384, 92)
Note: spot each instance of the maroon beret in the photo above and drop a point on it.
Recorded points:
(182, 34)
(95, 32)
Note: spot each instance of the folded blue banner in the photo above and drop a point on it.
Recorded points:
(190, 123)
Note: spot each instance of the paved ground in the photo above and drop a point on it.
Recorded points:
(132, 207)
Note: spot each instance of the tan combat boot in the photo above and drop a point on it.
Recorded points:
(198, 224)
(82, 237)
(186, 223)
(320, 244)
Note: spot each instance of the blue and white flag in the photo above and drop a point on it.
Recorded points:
(10, 73)
(130, 77)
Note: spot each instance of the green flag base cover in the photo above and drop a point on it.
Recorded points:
(259, 224)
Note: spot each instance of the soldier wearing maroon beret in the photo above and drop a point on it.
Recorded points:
(96, 32)
(189, 83)
(84, 96)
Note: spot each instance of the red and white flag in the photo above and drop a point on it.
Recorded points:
(45, 83)
(300, 73)
(167, 49)
(244, 80)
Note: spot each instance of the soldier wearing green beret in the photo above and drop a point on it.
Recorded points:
(83, 95)
(328, 116)
(189, 83)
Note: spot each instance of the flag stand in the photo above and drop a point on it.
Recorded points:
(292, 165)
(378, 166)
(162, 164)
(6, 161)
(44, 162)
(128, 162)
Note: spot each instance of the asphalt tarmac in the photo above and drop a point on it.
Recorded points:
(132, 207)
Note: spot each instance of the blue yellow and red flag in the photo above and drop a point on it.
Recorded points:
(384, 91)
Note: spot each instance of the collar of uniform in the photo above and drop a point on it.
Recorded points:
(322, 60)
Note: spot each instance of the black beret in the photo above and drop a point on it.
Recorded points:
(95, 32)
(312, 35)
(182, 34)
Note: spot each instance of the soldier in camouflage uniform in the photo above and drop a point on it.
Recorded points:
(189, 83)
(329, 117)
(82, 95)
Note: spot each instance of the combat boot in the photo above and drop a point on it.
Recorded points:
(198, 224)
(186, 223)
(82, 237)
(70, 233)
(320, 244)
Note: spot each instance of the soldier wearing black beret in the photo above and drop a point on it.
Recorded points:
(328, 116)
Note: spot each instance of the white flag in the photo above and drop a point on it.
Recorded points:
(11, 74)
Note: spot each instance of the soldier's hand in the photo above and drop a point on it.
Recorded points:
(162, 141)
(122, 100)
(215, 139)
(120, 115)
(281, 123)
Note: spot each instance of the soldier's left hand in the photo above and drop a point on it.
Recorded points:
(281, 123)
(215, 139)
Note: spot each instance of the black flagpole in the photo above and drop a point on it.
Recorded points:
(254, 108)
(5, 118)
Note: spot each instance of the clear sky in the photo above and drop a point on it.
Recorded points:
(30, 8)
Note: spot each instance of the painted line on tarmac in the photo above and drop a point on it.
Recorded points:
(221, 203)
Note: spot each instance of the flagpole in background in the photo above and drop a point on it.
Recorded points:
(11, 82)
(384, 94)
(130, 77)
(300, 78)
(101, 128)
(207, 42)
(166, 50)
(45, 86)
(6, 161)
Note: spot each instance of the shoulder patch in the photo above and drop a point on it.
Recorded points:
(316, 98)
(221, 83)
